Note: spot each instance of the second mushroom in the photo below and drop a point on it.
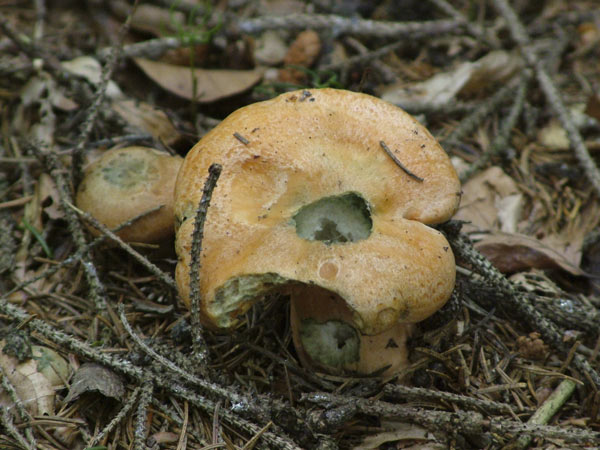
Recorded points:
(326, 196)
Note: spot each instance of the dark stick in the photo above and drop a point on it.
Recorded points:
(399, 163)
(241, 138)
(214, 171)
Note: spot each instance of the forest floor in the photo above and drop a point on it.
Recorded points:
(98, 350)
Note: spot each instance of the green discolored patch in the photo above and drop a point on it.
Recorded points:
(335, 219)
(238, 294)
(127, 172)
(332, 343)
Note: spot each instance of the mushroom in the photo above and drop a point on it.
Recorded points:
(127, 182)
(309, 204)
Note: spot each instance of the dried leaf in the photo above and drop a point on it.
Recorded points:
(35, 102)
(35, 380)
(485, 196)
(211, 84)
(146, 117)
(512, 253)
(92, 377)
(553, 136)
(401, 432)
(90, 69)
(466, 78)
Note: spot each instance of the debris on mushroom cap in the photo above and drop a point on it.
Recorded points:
(307, 196)
(125, 183)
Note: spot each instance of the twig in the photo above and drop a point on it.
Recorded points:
(365, 56)
(514, 300)
(241, 138)
(141, 416)
(399, 391)
(545, 412)
(57, 171)
(451, 422)
(94, 109)
(352, 26)
(472, 121)
(126, 368)
(501, 141)
(519, 34)
(399, 163)
(162, 276)
(97, 439)
(7, 423)
(198, 345)
(23, 414)
(197, 382)
(77, 256)
(32, 51)
(477, 31)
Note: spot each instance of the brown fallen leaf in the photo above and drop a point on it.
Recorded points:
(491, 200)
(92, 377)
(211, 84)
(512, 253)
(467, 78)
(35, 380)
(147, 118)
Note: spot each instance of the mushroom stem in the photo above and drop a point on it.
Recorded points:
(326, 338)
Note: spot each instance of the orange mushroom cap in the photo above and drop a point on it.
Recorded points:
(308, 197)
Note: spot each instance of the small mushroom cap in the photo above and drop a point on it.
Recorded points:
(127, 182)
(299, 148)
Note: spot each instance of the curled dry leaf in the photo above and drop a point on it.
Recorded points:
(512, 253)
(484, 197)
(90, 69)
(147, 118)
(35, 380)
(402, 434)
(91, 377)
(492, 204)
(466, 79)
(211, 84)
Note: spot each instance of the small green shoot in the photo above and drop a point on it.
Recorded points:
(36, 234)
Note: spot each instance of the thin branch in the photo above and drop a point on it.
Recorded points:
(162, 276)
(519, 34)
(398, 391)
(353, 26)
(132, 398)
(57, 171)
(94, 109)
(141, 416)
(516, 301)
(501, 141)
(399, 163)
(472, 121)
(198, 345)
